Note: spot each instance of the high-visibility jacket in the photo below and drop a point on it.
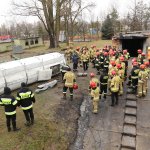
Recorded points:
(69, 79)
(139, 58)
(134, 72)
(10, 103)
(121, 73)
(95, 94)
(84, 57)
(115, 84)
(143, 75)
(104, 79)
(25, 98)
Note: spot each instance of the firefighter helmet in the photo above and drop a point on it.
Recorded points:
(93, 85)
(113, 72)
(139, 51)
(92, 74)
(119, 66)
(142, 66)
(75, 86)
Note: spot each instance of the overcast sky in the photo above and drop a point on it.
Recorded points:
(101, 6)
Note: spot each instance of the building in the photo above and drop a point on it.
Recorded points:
(132, 41)
(29, 42)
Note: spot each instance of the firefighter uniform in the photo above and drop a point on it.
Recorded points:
(25, 98)
(103, 83)
(139, 58)
(114, 88)
(85, 59)
(97, 65)
(69, 80)
(122, 77)
(10, 104)
(95, 98)
(106, 64)
(142, 81)
(101, 60)
(68, 55)
(134, 78)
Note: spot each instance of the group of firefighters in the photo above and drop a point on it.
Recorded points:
(24, 99)
(111, 65)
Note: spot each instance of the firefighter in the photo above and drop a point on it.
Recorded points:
(95, 96)
(10, 104)
(147, 69)
(143, 59)
(139, 56)
(69, 81)
(25, 98)
(142, 81)
(114, 88)
(85, 59)
(97, 63)
(121, 75)
(68, 55)
(134, 76)
(106, 61)
(75, 59)
(103, 83)
(101, 60)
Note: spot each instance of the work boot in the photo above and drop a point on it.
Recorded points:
(16, 129)
(9, 129)
(112, 105)
(64, 96)
(27, 123)
(104, 96)
(32, 122)
(71, 97)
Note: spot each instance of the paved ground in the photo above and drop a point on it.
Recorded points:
(143, 122)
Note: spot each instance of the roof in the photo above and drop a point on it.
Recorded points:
(133, 35)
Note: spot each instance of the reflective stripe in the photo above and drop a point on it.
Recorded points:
(6, 101)
(64, 92)
(104, 83)
(25, 95)
(10, 113)
(26, 108)
(15, 102)
(71, 94)
(134, 77)
(32, 95)
(18, 98)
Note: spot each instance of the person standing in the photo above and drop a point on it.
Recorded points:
(95, 96)
(114, 88)
(75, 59)
(85, 59)
(69, 81)
(10, 104)
(103, 83)
(25, 98)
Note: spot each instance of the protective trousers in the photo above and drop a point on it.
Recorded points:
(103, 88)
(71, 91)
(11, 119)
(95, 106)
(141, 88)
(134, 84)
(114, 96)
(29, 115)
(121, 87)
(85, 65)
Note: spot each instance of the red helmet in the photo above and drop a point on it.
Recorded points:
(75, 86)
(92, 75)
(105, 54)
(143, 54)
(119, 66)
(134, 60)
(142, 66)
(121, 58)
(77, 48)
(92, 46)
(135, 63)
(113, 72)
(113, 63)
(125, 51)
(139, 51)
(93, 85)
(111, 53)
(146, 63)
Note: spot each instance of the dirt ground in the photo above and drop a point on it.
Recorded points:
(55, 119)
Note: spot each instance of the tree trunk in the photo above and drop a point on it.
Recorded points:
(52, 41)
